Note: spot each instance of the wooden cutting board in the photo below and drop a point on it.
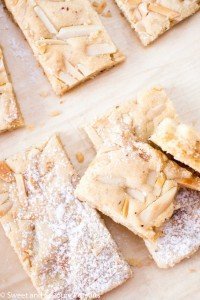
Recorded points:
(172, 61)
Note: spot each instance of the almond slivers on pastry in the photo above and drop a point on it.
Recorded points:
(135, 185)
(139, 116)
(151, 18)
(67, 38)
(62, 243)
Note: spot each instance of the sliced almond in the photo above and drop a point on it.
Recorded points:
(100, 49)
(40, 13)
(125, 208)
(116, 181)
(44, 42)
(67, 78)
(152, 212)
(155, 111)
(157, 8)
(151, 178)
(159, 184)
(6, 174)
(136, 194)
(3, 198)
(76, 31)
(33, 2)
(84, 69)
(21, 189)
(134, 2)
(191, 183)
(74, 72)
(5, 207)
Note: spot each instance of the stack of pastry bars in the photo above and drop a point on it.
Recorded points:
(138, 185)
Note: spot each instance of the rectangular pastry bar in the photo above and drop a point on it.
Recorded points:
(135, 185)
(67, 38)
(62, 243)
(179, 140)
(180, 236)
(10, 115)
(151, 18)
(139, 116)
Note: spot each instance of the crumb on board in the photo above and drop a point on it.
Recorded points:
(192, 270)
(80, 157)
(100, 7)
(44, 94)
(30, 127)
(133, 262)
(54, 113)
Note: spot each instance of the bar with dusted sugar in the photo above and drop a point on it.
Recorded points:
(62, 243)
(179, 237)
(67, 38)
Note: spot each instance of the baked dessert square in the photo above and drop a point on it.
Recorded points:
(151, 18)
(180, 140)
(62, 243)
(135, 185)
(67, 38)
(10, 115)
(139, 116)
(179, 237)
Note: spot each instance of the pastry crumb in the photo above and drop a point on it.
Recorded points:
(30, 127)
(44, 94)
(55, 113)
(80, 157)
(99, 6)
(138, 263)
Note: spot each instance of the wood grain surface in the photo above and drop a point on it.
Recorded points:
(173, 61)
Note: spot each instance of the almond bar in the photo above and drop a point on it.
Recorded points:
(180, 140)
(10, 115)
(67, 38)
(62, 243)
(135, 185)
(139, 116)
(151, 18)
(179, 237)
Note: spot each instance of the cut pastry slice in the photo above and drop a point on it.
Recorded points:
(179, 236)
(151, 18)
(10, 115)
(140, 117)
(135, 185)
(179, 140)
(67, 38)
(62, 243)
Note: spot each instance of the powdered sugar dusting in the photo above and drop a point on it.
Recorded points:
(70, 253)
(181, 234)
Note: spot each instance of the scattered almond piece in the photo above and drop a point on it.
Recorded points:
(6, 173)
(99, 7)
(139, 263)
(80, 157)
(107, 14)
(30, 127)
(55, 113)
